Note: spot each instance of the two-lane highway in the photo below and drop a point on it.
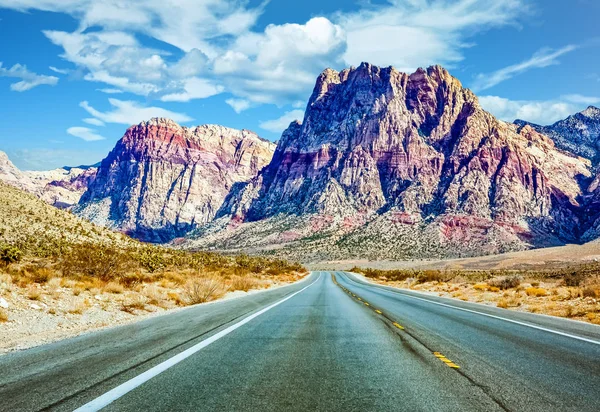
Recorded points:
(330, 342)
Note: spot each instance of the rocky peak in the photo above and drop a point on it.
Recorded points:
(162, 179)
(376, 141)
(579, 133)
(591, 112)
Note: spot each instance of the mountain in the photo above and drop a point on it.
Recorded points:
(393, 165)
(11, 175)
(61, 187)
(162, 180)
(579, 133)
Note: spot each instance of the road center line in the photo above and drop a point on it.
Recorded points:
(114, 394)
(568, 335)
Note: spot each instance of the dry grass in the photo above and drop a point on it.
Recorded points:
(244, 283)
(79, 308)
(537, 292)
(3, 316)
(137, 303)
(34, 293)
(203, 290)
(113, 287)
(175, 297)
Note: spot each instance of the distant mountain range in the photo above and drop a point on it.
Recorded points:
(578, 134)
(384, 165)
(61, 187)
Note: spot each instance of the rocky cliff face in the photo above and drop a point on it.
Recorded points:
(579, 133)
(379, 150)
(161, 179)
(61, 187)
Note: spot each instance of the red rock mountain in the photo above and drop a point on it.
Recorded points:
(387, 164)
(161, 179)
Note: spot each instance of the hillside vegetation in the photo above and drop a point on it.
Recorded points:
(57, 265)
(570, 291)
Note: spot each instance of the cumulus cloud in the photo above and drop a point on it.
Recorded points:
(29, 80)
(280, 65)
(220, 50)
(131, 112)
(280, 124)
(543, 58)
(415, 33)
(85, 133)
(543, 112)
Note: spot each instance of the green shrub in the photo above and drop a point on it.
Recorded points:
(10, 254)
(152, 260)
(98, 261)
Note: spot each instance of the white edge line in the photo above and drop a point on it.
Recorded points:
(114, 394)
(568, 335)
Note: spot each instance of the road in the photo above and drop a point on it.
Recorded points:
(332, 342)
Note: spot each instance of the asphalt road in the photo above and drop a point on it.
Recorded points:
(328, 343)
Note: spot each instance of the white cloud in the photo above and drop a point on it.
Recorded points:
(543, 112)
(543, 58)
(578, 98)
(280, 124)
(280, 65)
(110, 91)
(416, 33)
(93, 121)
(238, 105)
(220, 51)
(85, 133)
(59, 71)
(185, 24)
(130, 112)
(194, 88)
(29, 80)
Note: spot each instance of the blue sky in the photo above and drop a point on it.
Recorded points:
(76, 73)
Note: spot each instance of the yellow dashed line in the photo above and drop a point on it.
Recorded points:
(447, 361)
(396, 324)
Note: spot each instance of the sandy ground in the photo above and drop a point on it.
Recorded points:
(531, 259)
(42, 314)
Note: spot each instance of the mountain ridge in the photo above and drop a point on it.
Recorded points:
(162, 179)
(380, 148)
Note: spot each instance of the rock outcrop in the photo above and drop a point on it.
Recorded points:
(383, 149)
(162, 180)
